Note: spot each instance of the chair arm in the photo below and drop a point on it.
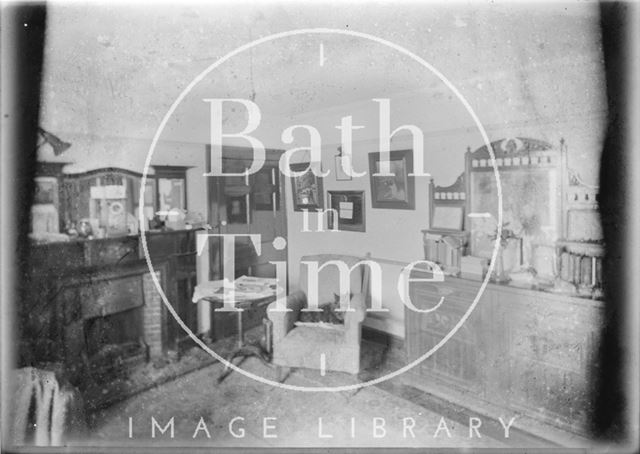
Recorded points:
(353, 319)
(283, 321)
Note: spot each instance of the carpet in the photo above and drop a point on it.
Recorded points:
(195, 411)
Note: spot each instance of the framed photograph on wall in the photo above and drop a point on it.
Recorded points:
(347, 210)
(395, 191)
(306, 189)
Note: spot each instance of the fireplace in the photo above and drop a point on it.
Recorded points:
(113, 320)
(122, 325)
(115, 343)
(90, 307)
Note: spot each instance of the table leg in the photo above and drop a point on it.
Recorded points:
(245, 350)
(268, 327)
(240, 330)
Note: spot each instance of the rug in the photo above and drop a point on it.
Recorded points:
(194, 410)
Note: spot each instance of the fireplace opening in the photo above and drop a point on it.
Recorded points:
(115, 344)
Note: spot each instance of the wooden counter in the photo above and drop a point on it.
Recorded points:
(526, 352)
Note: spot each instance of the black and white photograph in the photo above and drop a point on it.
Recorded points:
(348, 226)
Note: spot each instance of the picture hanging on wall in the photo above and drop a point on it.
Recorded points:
(347, 210)
(306, 189)
(397, 190)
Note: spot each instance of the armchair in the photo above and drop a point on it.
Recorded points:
(302, 345)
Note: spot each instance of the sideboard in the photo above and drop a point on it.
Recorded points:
(524, 351)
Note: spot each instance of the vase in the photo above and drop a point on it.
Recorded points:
(500, 275)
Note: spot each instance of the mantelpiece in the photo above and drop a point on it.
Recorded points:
(81, 292)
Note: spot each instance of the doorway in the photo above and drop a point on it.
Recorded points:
(243, 205)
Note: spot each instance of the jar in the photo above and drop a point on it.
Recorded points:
(84, 228)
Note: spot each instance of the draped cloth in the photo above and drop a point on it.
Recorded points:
(42, 409)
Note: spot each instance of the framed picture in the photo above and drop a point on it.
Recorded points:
(46, 190)
(396, 191)
(306, 189)
(347, 210)
(448, 218)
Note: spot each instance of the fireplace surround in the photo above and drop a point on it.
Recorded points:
(104, 322)
(90, 309)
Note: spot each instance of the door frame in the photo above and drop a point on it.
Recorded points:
(215, 196)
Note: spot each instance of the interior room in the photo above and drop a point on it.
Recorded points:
(283, 224)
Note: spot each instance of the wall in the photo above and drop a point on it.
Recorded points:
(391, 234)
(564, 100)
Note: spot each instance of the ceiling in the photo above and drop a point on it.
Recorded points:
(115, 70)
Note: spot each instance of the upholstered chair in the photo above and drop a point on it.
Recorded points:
(303, 344)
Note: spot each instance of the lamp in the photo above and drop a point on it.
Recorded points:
(59, 146)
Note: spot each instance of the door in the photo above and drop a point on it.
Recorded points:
(242, 205)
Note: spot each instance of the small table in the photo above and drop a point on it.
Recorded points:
(244, 348)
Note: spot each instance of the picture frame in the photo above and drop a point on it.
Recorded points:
(46, 191)
(236, 207)
(306, 189)
(347, 211)
(398, 190)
